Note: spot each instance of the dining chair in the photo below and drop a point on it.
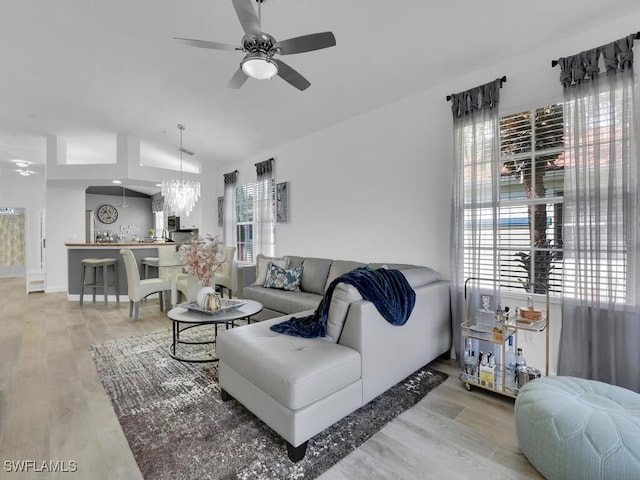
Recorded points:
(188, 287)
(172, 269)
(139, 289)
(224, 277)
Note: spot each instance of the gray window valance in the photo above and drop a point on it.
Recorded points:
(157, 204)
(483, 96)
(264, 168)
(231, 177)
(585, 65)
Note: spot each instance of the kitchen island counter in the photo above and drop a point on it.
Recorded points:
(118, 245)
(76, 252)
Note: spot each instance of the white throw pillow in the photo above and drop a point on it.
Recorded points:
(343, 296)
(262, 263)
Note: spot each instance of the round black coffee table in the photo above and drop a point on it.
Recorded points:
(184, 319)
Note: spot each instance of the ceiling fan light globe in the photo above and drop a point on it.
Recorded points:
(260, 68)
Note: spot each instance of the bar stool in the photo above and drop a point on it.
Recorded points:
(94, 264)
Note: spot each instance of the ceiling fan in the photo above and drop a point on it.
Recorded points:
(260, 48)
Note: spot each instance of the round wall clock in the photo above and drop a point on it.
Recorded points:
(107, 214)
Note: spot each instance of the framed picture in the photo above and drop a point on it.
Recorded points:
(220, 211)
(282, 202)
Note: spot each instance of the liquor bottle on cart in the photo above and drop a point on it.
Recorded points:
(510, 366)
(521, 369)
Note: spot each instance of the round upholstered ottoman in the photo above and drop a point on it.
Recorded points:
(571, 428)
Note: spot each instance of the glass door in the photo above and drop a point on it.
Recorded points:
(12, 246)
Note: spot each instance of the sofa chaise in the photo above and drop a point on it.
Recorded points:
(300, 386)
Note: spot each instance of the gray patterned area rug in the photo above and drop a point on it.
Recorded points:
(178, 427)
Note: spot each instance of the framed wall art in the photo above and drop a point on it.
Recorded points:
(282, 202)
(220, 211)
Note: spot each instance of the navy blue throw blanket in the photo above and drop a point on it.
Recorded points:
(387, 289)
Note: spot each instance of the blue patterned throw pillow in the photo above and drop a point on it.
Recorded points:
(278, 277)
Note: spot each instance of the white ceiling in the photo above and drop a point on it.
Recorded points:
(89, 69)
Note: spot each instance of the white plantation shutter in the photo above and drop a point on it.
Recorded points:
(531, 196)
(244, 222)
(265, 210)
(255, 219)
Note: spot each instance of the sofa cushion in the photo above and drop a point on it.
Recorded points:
(340, 267)
(421, 276)
(343, 296)
(394, 266)
(282, 279)
(295, 372)
(281, 300)
(315, 274)
(262, 263)
(295, 261)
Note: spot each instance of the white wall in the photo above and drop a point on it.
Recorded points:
(208, 203)
(136, 217)
(377, 187)
(65, 223)
(373, 188)
(29, 193)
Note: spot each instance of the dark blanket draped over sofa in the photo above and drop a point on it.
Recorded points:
(387, 289)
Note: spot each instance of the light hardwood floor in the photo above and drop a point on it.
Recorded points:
(53, 406)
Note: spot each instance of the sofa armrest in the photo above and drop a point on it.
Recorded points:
(246, 276)
(425, 336)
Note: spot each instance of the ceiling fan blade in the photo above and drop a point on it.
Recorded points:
(248, 18)
(306, 43)
(206, 44)
(289, 75)
(238, 79)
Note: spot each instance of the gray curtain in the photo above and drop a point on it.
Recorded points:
(601, 284)
(229, 209)
(476, 174)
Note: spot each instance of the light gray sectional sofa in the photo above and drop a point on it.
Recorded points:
(300, 386)
(318, 273)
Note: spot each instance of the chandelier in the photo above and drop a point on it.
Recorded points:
(181, 195)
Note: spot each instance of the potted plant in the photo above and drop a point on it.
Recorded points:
(202, 259)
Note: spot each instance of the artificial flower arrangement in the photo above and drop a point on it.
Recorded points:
(202, 258)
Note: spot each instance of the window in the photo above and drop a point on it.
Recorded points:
(264, 218)
(255, 218)
(529, 210)
(531, 196)
(244, 221)
(158, 223)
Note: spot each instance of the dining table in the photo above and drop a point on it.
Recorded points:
(175, 266)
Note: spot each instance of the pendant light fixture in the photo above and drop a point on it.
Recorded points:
(181, 195)
(124, 199)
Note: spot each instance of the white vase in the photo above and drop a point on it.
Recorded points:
(202, 296)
